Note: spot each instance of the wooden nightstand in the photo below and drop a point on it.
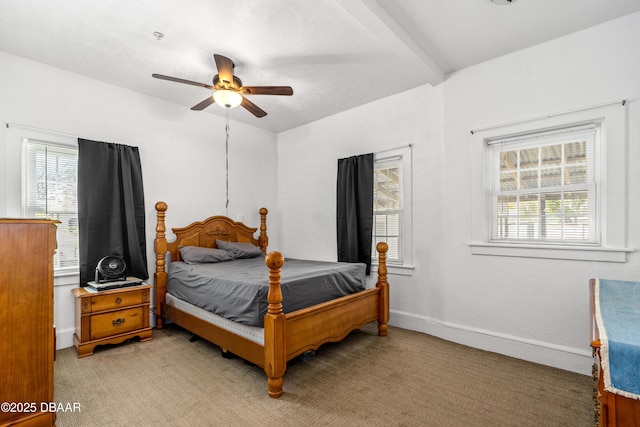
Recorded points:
(111, 317)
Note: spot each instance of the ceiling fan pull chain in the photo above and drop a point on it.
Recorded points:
(226, 147)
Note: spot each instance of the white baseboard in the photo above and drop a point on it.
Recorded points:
(566, 358)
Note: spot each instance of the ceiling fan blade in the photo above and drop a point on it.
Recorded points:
(204, 104)
(225, 68)
(266, 90)
(253, 108)
(175, 79)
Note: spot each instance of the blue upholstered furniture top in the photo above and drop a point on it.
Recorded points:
(617, 312)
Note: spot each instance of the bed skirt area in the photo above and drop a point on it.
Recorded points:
(251, 333)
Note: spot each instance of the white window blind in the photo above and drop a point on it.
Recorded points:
(545, 186)
(49, 187)
(388, 207)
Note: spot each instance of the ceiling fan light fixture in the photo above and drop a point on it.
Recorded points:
(228, 89)
(227, 98)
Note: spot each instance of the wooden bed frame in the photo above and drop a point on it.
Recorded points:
(285, 335)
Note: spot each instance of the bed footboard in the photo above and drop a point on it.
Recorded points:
(289, 335)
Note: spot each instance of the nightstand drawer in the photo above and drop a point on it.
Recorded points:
(121, 299)
(116, 322)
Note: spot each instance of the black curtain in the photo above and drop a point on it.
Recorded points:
(355, 209)
(111, 215)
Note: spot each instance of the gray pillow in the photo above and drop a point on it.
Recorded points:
(198, 255)
(240, 250)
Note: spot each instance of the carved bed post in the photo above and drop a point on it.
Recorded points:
(275, 362)
(160, 276)
(263, 239)
(382, 248)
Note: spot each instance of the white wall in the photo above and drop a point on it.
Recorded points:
(534, 309)
(182, 153)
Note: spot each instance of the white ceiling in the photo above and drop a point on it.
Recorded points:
(336, 54)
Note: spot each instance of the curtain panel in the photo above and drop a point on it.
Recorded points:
(355, 209)
(111, 214)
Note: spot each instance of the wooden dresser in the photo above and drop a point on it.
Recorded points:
(111, 317)
(27, 337)
(611, 409)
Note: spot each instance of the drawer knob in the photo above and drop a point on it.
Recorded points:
(118, 300)
(117, 322)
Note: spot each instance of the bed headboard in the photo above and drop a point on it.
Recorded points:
(205, 233)
(200, 233)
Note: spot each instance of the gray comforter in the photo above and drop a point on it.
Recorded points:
(238, 289)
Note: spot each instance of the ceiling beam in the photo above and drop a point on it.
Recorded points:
(373, 17)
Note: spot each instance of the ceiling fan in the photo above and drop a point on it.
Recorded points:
(228, 89)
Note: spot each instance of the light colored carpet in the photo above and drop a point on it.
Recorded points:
(405, 379)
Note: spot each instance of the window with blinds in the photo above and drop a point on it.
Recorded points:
(387, 207)
(49, 187)
(545, 187)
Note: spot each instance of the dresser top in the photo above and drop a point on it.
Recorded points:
(28, 221)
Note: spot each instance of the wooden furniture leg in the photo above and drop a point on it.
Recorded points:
(383, 285)
(160, 276)
(275, 361)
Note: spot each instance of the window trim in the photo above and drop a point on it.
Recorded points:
(613, 200)
(405, 154)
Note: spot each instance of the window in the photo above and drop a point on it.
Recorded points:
(553, 187)
(49, 191)
(387, 206)
(392, 205)
(545, 187)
